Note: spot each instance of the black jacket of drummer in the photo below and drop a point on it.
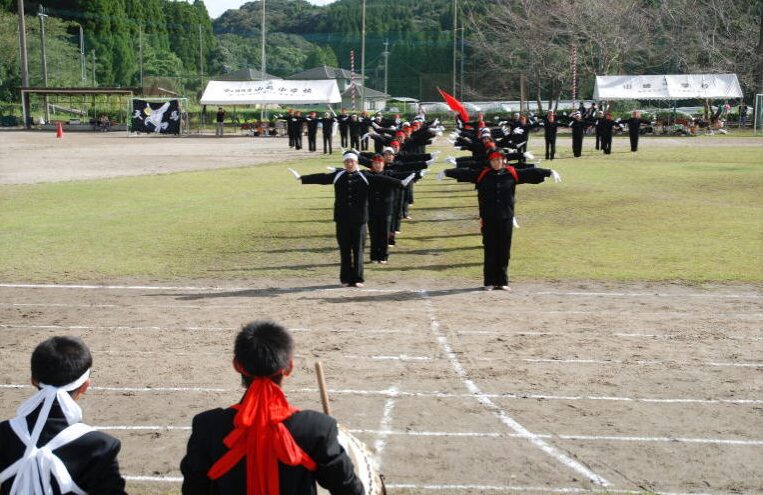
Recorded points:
(314, 432)
(496, 188)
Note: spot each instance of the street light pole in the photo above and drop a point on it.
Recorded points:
(83, 70)
(455, 42)
(24, 63)
(363, 60)
(140, 49)
(263, 65)
(386, 64)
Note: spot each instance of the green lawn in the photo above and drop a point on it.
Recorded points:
(691, 214)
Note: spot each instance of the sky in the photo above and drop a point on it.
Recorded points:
(217, 7)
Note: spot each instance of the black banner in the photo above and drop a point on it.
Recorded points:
(156, 117)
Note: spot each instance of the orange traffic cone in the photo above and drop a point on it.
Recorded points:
(59, 130)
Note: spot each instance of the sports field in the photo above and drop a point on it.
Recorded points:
(627, 359)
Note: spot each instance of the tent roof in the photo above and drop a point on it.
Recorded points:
(270, 92)
(324, 72)
(245, 75)
(667, 87)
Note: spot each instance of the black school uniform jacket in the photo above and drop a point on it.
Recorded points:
(91, 459)
(314, 432)
(495, 188)
(351, 192)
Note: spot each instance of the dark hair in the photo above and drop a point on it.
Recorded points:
(263, 348)
(60, 360)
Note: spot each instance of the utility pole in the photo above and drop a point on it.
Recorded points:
(363, 60)
(42, 15)
(95, 84)
(24, 63)
(140, 49)
(263, 66)
(386, 64)
(83, 69)
(455, 42)
(463, 35)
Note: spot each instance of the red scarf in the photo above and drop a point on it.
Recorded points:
(260, 436)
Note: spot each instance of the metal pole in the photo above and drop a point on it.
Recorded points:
(386, 64)
(455, 42)
(263, 66)
(24, 63)
(140, 48)
(463, 35)
(83, 70)
(201, 59)
(363, 60)
(94, 81)
(41, 15)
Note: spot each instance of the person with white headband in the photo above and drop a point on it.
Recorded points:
(46, 449)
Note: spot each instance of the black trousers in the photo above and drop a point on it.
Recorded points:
(327, 143)
(496, 242)
(311, 141)
(344, 133)
(598, 140)
(364, 144)
(298, 140)
(378, 230)
(291, 137)
(577, 145)
(355, 142)
(351, 238)
(634, 140)
(550, 149)
(606, 144)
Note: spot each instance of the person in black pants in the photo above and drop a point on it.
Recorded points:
(597, 127)
(356, 131)
(297, 121)
(605, 127)
(351, 191)
(578, 126)
(634, 127)
(327, 126)
(290, 127)
(262, 441)
(312, 131)
(381, 206)
(550, 126)
(344, 128)
(495, 192)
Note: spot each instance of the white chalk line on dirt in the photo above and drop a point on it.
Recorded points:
(384, 426)
(502, 415)
(477, 487)
(384, 432)
(434, 394)
(352, 290)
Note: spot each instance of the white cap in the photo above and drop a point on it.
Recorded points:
(388, 149)
(350, 156)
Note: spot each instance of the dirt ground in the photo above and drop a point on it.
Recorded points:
(555, 388)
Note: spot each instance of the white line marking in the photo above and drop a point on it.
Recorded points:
(443, 395)
(474, 487)
(142, 428)
(647, 294)
(500, 413)
(166, 329)
(687, 337)
(386, 422)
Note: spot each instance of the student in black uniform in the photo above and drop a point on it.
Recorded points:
(578, 126)
(344, 127)
(290, 127)
(351, 191)
(634, 127)
(327, 126)
(381, 207)
(297, 121)
(51, 421)
(312, 131)
(356, 131)
(495, 192)
(262, 444)
(605, 126)
(550, 125)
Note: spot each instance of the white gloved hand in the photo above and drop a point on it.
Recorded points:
(518, 130)
(331, 169)
(441, 175)
(364, 136)
(430, 161)
(570, 124)
(435, 153)
(556, 176)
(294, 173)
(514, 222)
(424, 172)
(451, 160)
(438, 133)
(451, 141)
(454, 135)
(529, 155)
(408, 180)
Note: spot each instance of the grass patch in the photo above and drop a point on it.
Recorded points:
(691, 214)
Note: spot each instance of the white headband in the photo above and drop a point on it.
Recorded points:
(350, 156)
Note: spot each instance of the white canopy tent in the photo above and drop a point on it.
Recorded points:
(271, 91)
(667, 87)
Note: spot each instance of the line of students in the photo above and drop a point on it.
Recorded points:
(261, 445)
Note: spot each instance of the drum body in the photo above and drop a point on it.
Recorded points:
(363, 461)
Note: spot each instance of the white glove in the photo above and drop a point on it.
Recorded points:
(435, 122)
(438, 133)
(529, 155)
(435, 153)
(556, 176)
(514, 222)
(454, 135)
(451, 141)
(441, 175)
(331, 169)
(570, 124)
(364, 136)
(424, 172)
(408, 180)
(451, 160)
(518, 130)
(294, 173)
(430, 161)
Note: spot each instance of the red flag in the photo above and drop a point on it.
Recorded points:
(455, 105)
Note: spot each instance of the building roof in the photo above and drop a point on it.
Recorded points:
(371, 94)
(245, 75)
(324, 72)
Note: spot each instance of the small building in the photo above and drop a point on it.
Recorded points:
(345, 79)
(375, 100)
(245, 75)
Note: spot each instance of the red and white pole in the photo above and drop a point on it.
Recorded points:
(352, 80)
(574, 76)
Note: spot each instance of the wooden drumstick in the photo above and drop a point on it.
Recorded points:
(322, 387)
